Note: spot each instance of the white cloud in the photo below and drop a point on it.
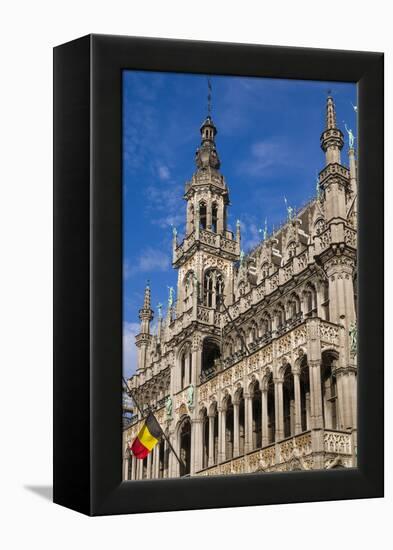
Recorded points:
(151, 259)
(130, 330)
(264, 155)
(164, 173)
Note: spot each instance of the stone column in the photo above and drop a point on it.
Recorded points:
(224, 435)
(236, 429)
(292, 417)
(211, 440)
(316, 411)
(279, 409)
(265, 424)
(149, 461)
(298, 408)
(187, 380)
(139, 467)
(247, 423)
(209, 213)
(221, 434)
(133, 467)
(125, 468)
(165, 472)
(352, 169)
(196, 445)
(346, 390)
(220, 220)
(156, 462)
(308, 414)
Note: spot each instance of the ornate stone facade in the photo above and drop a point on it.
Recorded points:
(254, 367)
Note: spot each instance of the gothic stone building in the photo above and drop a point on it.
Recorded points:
(254, 366)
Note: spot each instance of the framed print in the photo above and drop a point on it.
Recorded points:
(218, 303)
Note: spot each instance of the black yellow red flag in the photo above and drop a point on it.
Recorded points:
(147, 437)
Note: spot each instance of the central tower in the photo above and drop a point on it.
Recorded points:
(205, 257)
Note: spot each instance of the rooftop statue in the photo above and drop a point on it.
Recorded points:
(351, 137)
(289, 209)
(171, 296)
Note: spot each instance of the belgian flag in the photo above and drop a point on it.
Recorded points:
(147, 437)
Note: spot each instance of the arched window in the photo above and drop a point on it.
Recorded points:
(213, 288)
(210, 353)
(188, 290)
(241, 288)
(190, 218)
(294, 306)
(280, 317)
(214, 217)
(256, 416)
(202, 215)
(289, 402)
(205, 437)
(228, 429)
(325, 300)
(253, 332)
(185, 446)
(305, 394)
(271, 413)
(183, 370)
(311, 300)
(266, 325)
(329, 390)
(186, 366)
(229, 349)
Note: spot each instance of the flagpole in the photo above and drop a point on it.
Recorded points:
(131, 394)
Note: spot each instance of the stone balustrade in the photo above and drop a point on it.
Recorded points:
(286, 455)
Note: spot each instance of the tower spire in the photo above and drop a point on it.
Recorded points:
(330, 114)
(209, 97)
(146, 313)
(332, 139)
(143, 339)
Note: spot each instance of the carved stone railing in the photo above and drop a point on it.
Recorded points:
(323, 240)
(329, 334)
(334, 169)
(208, 237)
(205, 315)
(350, 237)
(337, 442)
(229, 245)
(294, 452)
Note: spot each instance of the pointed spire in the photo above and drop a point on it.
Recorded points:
(146, 314)
(209, 97)
(146, 301)
(206, 155)
(332, 139)
(330, 114)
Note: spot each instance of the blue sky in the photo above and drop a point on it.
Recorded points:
(268, 143)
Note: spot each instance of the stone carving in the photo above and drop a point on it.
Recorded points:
(190, 397)
(339, 443)
(329, 333)
(353, 337)
(168, 407)
(350, 237)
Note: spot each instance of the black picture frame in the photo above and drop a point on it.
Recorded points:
(88, 274)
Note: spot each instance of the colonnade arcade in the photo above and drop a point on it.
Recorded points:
(266, 411)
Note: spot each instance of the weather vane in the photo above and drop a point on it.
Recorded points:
(209, 96)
